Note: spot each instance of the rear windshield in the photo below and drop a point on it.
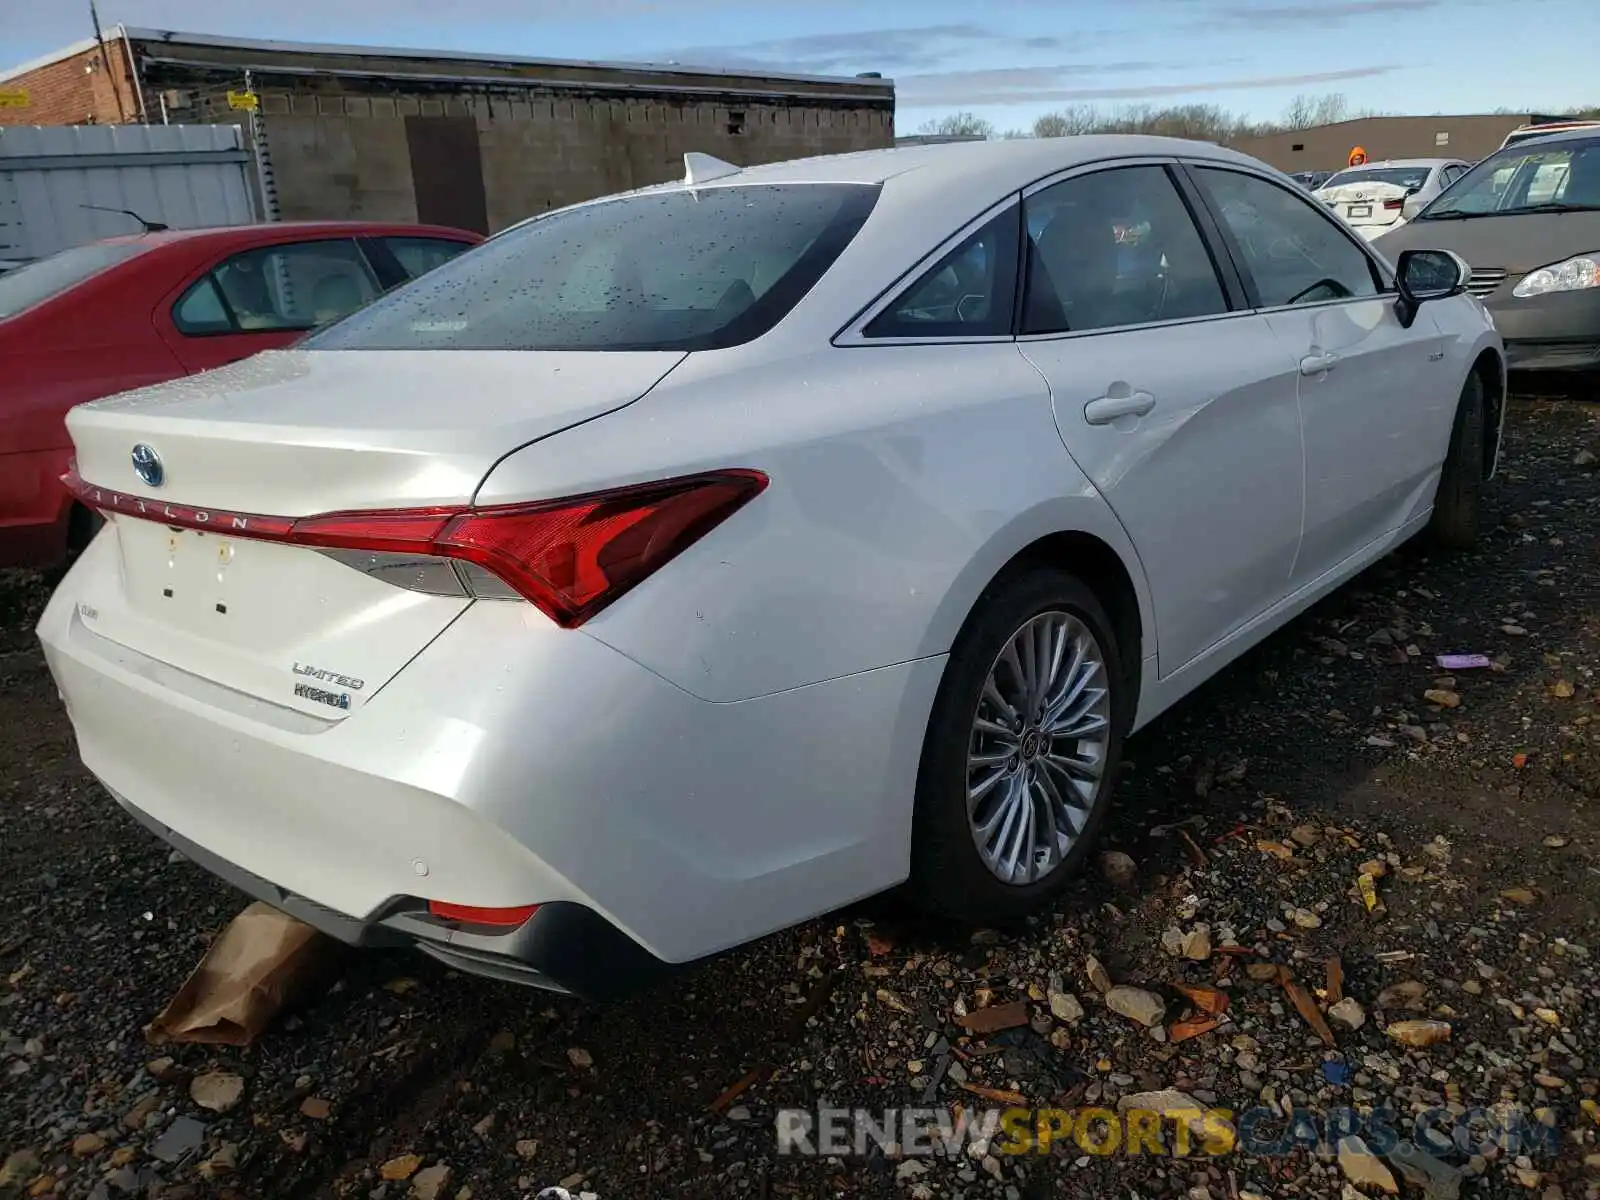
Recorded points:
(679, 270)
(1554, 176)
(1406, 177)
(37, 282)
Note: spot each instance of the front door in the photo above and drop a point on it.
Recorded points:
(1180, 407)
(1370, 390)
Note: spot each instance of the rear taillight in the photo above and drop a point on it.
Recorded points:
(570, 557)
(1393, 205)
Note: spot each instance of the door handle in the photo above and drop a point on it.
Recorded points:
(1316, 364)
(1108, 408)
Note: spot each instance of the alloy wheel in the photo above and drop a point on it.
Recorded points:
(1038, 746)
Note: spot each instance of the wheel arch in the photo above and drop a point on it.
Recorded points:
(1092, 548)
(1490, 368)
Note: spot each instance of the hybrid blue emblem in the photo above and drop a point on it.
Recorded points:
(147, 465)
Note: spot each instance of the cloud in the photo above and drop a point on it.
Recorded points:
(962, 89)
(888, 50)
(1329, 12)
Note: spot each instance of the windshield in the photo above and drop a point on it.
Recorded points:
(1406, 177)
(1563, 174)
(37, 282)
(678, 270)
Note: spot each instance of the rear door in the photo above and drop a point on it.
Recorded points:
(399, 260)
(1370, 390)
(1174, 400)
(264, 298)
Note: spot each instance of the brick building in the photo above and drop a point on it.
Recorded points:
(410, 135)
(1327, 147)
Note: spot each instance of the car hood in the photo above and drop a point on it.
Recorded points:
(1516, 244)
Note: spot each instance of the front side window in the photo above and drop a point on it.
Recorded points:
(1563, 175)
(37, 282)
(276, 289)
(970, 292)
(669, 270)
(1292, 252)
(1115, 248)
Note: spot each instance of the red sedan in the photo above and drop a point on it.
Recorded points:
(127, 312)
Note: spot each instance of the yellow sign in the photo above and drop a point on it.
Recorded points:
(248, 101)
(16, 98)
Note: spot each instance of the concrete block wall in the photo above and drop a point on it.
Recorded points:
(341, 153)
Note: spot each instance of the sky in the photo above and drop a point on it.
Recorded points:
(1008, 61)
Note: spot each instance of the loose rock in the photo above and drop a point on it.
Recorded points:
(1419, 1033)
(219, 1091)
(429, 1182)
(1118, 869)
(1136, 1004)
(1348, 1013)
(1363, 1168)
(402, 1167)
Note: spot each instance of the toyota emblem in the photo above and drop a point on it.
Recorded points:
(147, 465)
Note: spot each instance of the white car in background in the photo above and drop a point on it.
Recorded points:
(1377, 197)
(1523, 133)
(682, 565)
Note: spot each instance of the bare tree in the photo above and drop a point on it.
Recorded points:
(961, 124)
(1331, 109)
(1301, 113)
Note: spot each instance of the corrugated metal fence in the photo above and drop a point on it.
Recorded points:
(56, 183)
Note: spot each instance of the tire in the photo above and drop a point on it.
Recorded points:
(950, 875)
(1457, 505)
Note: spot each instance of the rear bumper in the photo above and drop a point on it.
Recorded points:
(563, 947)
(510, 763)
(34, 508)
(1559, 332)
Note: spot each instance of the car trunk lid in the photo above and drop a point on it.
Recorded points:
(1366, 203)
(295, 434)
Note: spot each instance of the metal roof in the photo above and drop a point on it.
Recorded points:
(180, 38)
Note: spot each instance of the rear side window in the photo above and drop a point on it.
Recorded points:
(277, 288)
(37, 282)
(970, 292)
(418, 256)
(678, 270)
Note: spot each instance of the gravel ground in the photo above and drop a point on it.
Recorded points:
(1336, 747)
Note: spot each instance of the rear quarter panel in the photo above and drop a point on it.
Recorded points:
(71, 352)
(903, 479)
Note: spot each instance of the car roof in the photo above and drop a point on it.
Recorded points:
(952, 182)
(1576, 133)
(1007, 164)
(275, 231)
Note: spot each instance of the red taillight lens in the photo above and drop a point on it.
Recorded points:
(570, 557)
(575, 557)
(1393, 205)
(470, 914)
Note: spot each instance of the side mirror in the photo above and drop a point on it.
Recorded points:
(1424, 275)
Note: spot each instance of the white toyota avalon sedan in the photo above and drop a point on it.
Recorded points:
(681, 565)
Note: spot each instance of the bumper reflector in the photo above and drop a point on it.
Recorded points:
(468, 914)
